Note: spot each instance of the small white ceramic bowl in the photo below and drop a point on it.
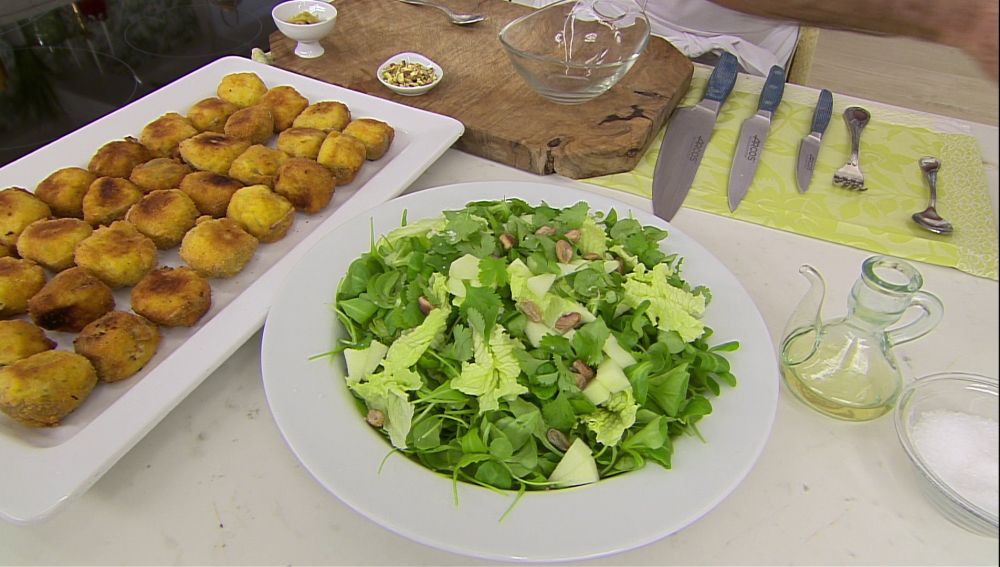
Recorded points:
(412, 58)
(307, 35)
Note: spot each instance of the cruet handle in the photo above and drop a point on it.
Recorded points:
(932, 309)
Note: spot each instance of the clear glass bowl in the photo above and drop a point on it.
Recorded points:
(575, 50)
(940, 419)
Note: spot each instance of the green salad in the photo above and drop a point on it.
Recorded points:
(526, 347)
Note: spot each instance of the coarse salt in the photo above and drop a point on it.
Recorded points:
(961, 449)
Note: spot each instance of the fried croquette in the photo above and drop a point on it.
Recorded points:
(213, 152)
(164, 216)
(285, 104)
(261, 212)
(217, 248)
(210, 192)
(51, 242)
(70, 300)
(257, 165)
(42, 389)
(118, 344)
(162, 135)
(108, 199)
(301, 142)
(118, 254)
(210, 114)
(20, 280)
(242, 89)
(307, 185)
(254, 123)
(63, 191)
(343, 155)
(117, 158)
(172, 297)
(159, 173)
(325, 115)
(6, 251)
(21, 339)
(18, 209)
(374, 134)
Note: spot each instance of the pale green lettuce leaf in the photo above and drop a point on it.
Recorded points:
(593, 239)
(671, 308)
(492, 375)
(611, 420)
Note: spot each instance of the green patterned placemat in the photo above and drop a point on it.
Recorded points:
(878, 219)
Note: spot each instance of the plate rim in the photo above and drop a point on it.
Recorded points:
(275, 356)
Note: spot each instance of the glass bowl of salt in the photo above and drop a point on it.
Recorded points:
(947, 424)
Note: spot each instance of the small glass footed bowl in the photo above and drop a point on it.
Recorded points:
(947, 424)
(575, 50)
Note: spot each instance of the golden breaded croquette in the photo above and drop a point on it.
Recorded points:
(117, 158)
(159, 173)
(210, 192)
(306, 184)
(70, 300)
(51, 242)
(172, 297)
(217, 248)
(253, 123)
(162, 135)
(241, 89)
(285, 104)
(20, 280)
(108, 199)
(118, 254)
(164, 216)
(118, 344)
(374, 134)
(63, 191)
(301, 142)
(210, 114)
(325, 115)
(213, 152)
(42, 389)
(6, 251)
(257, 165)
(261, 212)
(343, 155)
(18, 209)
(21, 339)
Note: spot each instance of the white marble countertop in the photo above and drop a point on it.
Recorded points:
(214, 482)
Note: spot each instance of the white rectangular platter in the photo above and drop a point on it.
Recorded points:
(44, 468)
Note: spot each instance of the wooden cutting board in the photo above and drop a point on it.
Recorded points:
(504, 119)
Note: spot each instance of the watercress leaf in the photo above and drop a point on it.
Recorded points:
(426, 434)
(359, 309)
(588, 341)
(494, 474)
(729, 346)
(695, 408)
(572, 217)
(669, 390)
(557, 345)
(501, 447)
(558, 413)
(472, 443)
(484, 302)
(652, 436)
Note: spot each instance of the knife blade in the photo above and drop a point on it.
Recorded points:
(687, 136)
(809, 146)
(753, 134)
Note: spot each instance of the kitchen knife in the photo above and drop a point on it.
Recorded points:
(753, 134)
(809, 146)
(687, 137)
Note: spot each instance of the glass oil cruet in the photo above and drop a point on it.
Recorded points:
(845, 367)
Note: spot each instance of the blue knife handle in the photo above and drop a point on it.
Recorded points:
(774, 87)
(723, 78)
(824, 109)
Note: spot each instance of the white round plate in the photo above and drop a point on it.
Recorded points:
(321, 423)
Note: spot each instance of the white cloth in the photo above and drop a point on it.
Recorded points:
(701, 29)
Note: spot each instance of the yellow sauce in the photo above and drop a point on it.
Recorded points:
(304, 18)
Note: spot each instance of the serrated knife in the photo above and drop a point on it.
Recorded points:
(687, 136)
(809, 146)
(753, 134)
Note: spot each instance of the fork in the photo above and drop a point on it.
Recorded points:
(849, 176)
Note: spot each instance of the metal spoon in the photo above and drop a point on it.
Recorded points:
(458, 19)
(929, 217)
